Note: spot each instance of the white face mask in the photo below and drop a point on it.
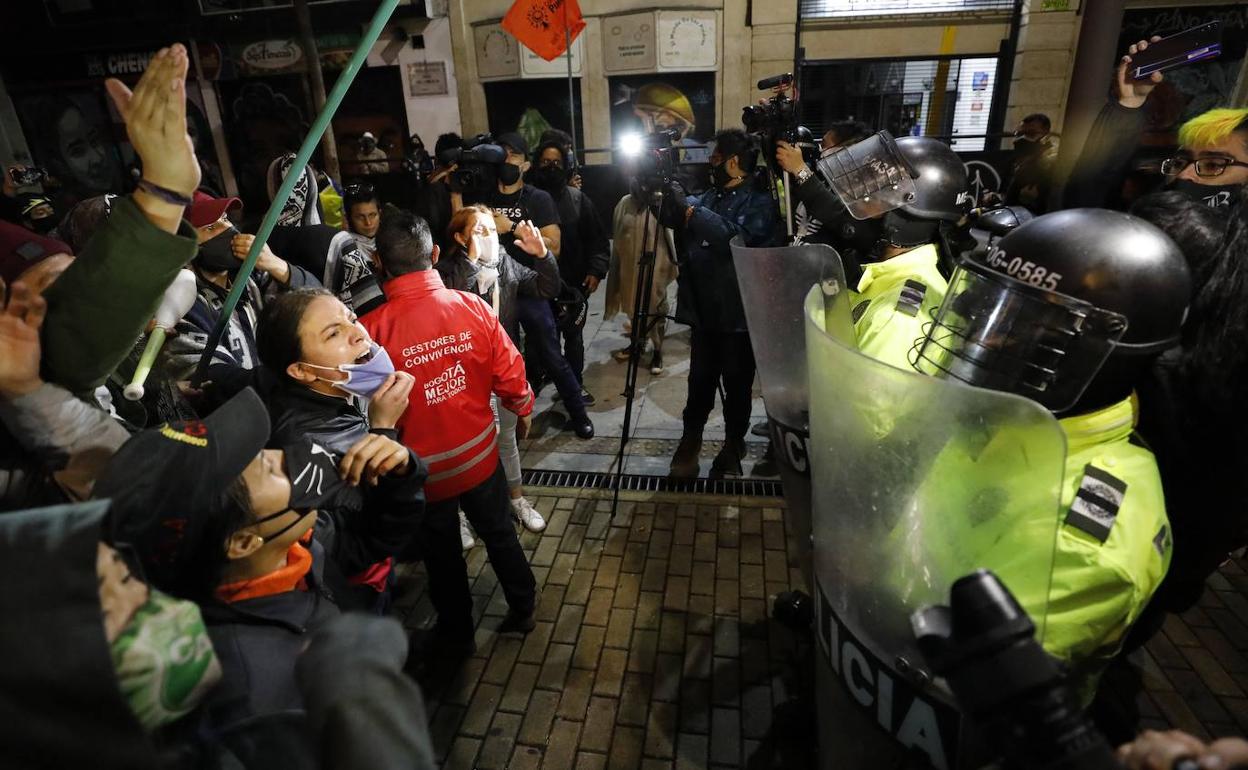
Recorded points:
(486, 247)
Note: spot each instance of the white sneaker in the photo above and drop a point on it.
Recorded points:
(465, 534)
(527, 515)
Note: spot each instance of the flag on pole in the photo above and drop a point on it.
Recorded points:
(545, 27)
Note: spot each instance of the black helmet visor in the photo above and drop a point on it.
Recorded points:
(996, 332)
(870, 177)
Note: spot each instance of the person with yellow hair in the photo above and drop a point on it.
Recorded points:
(1211, 164)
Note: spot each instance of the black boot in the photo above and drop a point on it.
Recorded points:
(685, 461)
(728, 462)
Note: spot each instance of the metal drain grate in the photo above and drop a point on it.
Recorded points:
(641, 483)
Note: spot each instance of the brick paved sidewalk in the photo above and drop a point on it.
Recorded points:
(654, 647)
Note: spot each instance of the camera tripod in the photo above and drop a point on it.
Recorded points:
(643, 323)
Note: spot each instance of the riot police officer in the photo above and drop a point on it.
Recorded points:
(893, 237)
(1070, 310)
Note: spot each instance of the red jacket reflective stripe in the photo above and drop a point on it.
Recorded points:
(454, 346)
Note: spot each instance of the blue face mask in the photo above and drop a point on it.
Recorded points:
(364, 379)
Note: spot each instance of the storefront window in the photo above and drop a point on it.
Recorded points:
(950, 98)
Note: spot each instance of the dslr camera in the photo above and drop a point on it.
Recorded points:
(477, 163)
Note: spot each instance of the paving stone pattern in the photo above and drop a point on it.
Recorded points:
(654, 647)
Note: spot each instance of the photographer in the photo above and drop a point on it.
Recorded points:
(515, 202)
(432, 201)
(709, 299)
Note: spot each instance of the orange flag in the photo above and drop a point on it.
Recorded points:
(541, 25)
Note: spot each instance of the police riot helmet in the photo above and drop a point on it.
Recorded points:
(908, 186)
(1068, 309)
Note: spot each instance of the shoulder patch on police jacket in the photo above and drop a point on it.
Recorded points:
(1096, 504)
(911, 299)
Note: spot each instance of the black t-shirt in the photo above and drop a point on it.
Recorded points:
(527, 203)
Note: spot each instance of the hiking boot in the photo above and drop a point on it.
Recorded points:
(685, 461)
(727, 464)
(527, 515)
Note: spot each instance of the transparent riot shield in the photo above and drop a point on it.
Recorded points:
(870, 177)
(774, 283)
(916, 481)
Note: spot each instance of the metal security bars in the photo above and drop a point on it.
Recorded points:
(813, 10)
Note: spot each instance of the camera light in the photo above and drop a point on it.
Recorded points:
(631, 145)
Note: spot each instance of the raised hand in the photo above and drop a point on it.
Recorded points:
(529, 239)
(19, 341)
(371, 458)
(1131, 92)
(390, 401)
(155, 116)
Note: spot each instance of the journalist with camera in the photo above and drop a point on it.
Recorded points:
(708, 297)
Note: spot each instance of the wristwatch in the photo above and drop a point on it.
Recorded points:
(804, 174)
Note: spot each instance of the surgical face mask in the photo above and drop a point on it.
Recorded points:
(364, 379)
(164, 660)
(486, 247)
(1212, 195)
(508, 174)
(217, 255)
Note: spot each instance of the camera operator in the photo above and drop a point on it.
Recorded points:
(584, 259)
(901, 284)
(514, 202)
(709, 299)
(810, 229)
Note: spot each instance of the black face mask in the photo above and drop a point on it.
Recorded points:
(45, 225)
(508, 174)
(719, 175)
(1025, 147)
(552, 179)
(217, 255)
(313, 472)
(1213, 195)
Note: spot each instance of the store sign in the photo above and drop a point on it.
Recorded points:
(688, 40)
(117, 64)
(498, 53)
(426, 79)
(534, 66)
(628, 43)
(271, 55)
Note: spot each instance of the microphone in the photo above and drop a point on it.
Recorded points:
(776, 81)
(178, 299)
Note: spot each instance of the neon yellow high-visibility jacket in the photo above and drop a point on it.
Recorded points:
(1114, 542)
(895, 302)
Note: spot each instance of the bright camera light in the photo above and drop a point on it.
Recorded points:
(630, 145)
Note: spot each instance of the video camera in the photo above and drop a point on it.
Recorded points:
(476, 162)
(984, 645)
(775, 120)
(655, 159)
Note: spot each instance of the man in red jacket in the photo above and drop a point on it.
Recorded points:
(455, 347)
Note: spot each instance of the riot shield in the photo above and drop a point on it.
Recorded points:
(774, 283)
(916, 481)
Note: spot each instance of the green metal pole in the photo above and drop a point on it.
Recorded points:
(283, 192)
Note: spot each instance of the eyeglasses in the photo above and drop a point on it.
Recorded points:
(1210, 166)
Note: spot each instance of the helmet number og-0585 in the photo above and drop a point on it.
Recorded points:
(1026, 271)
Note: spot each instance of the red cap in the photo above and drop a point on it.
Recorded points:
(205, 209)
(20, 248)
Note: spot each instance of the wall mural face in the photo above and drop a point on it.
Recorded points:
(264, 118)
(1191, 90)
(71, 136)
(685, 102)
